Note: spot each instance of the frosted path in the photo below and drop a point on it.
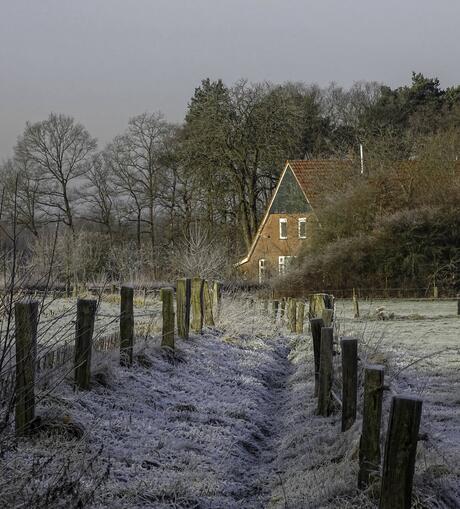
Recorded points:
(199, 432)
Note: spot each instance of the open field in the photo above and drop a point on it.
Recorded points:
(229, 421)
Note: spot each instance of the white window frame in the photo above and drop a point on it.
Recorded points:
(282, 265)
(283, 220)
(302, 220)
(262, 270)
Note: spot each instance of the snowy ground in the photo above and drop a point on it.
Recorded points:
(230, 422)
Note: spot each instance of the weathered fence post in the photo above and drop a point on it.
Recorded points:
(282, 309)
(458, 305)
(316, 324)
(183, 295)
(275, 307)
(265, 306)
(327, 315)
(300, 316)
(126, 325)
(26, 316)
(349, 381)
(167, 300)
(197, 305)
(207, 303)
(369, 445)
(84, 328)
(400, 450)
(317, 302)
(355, 305)
(216, 298)
(291, 314)
(325, 371)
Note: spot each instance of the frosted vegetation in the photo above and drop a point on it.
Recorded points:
(229, 421)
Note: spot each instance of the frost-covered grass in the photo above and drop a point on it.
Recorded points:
(228, 422)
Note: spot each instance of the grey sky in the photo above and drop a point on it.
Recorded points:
(103, 61)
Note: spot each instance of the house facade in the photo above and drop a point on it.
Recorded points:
(290, 216)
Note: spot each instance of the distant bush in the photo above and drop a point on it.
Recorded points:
(412, 248)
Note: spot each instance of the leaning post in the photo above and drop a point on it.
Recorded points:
(291, 312)
(275, 307)
(325, 371)
(183, 295)
(282, 310)
(369, 445)
(300, 316)
(84, 328)
(400, 451)
(355, 305)
(327, 315)
(126, 325)
(349, 381)
(316, 324)
(167, 300)
(197, 305)
(207, 302)
(216, 298)
(26, 317)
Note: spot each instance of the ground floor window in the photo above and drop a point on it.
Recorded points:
(262, 270)
(283, 263)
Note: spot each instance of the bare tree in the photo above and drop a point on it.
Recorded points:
(137, 160)
(59, 151)
(100, 196)
(20, 186)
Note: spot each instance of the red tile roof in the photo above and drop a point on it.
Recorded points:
(318, 177)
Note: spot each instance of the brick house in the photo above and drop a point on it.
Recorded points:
(290, 215)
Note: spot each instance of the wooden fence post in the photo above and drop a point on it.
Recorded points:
(300, 316)
(282, 309)
(207, 303)
(349, 381)
(355, 305)
(400, 450)
(265, 306)
(317, 302)
(84, 328)
(216, 298)
(325, 371)
(126, 325)
(197, 305)
(369, 445)
(327, 315)
(26, 316)
(458, 305)
(183, 295)
(275, 307)
(316, 324)
(291, 314)
(167, 300)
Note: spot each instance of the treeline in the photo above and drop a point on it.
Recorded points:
(161, 197)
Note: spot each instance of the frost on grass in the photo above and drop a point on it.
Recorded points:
(228, 421)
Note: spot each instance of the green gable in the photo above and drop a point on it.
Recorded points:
(289, 199)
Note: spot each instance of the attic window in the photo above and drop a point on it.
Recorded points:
(302, 227)
(283, 228)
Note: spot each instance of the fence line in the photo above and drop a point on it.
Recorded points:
(198, 302)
